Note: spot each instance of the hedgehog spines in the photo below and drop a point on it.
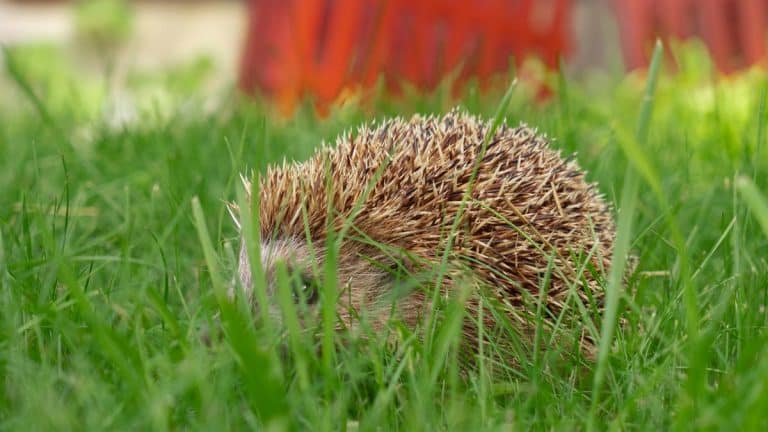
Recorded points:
(527, 205)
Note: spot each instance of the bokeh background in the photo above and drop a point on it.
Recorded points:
(327, 49)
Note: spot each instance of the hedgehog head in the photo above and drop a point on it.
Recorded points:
(368, 279)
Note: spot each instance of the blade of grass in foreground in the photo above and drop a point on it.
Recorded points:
(260, 370)
(26, 88)
(2, 258)
(756, 201)
(761, 108)
(498, 117)
(442, 269)
(251, 238)
(696, 347)
(621, 246)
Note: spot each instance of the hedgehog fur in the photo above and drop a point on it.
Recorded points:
(401, 184)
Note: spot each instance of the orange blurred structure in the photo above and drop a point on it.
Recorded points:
(734, 30)
(296, 48)
(320, 47)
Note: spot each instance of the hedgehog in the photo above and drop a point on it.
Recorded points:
(505, 210)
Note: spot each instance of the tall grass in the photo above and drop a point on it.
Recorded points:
(116, 254)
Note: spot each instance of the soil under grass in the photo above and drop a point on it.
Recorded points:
(105, 285)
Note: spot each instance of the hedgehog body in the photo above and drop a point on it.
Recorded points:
(529, 213)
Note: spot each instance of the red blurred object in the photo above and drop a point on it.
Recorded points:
(734, 30)
(320, 47)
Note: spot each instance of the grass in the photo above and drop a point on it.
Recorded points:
(116, 251)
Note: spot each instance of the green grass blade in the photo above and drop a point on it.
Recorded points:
(260, 369)
(26, 88)
(628, 205)
(756, 201)
(442, 269)
(3, 264)
(251, 236)
(760, 135)
(211, 260)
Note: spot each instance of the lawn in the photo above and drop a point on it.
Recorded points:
(107, 279)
